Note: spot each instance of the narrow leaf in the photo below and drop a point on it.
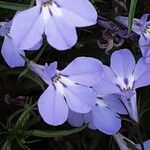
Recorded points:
(35, 78)
(25, 115)
(13, 6)
(132, 10)
(49, 134)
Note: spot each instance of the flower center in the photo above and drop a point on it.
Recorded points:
(64, 80)
(56, 78)
(50, 8)
(47, 3)
(125, 84)
(61, 82)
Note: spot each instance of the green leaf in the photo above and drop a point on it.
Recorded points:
(26, 71)
(35, 78)
(23, 73)
(49, 134)
(13, 6)
(12, 116)
(10, 71)
(132, 10)
(39, 54)
(24, 116)
(32, 3)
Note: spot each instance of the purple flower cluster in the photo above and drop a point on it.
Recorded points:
(95, 93)
(86, 91)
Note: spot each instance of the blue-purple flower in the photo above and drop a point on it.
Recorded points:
(139, 26)
(10, 52)
(56, 19)
(123, 77)
(142, 28)
(67, 89)
(104, 115)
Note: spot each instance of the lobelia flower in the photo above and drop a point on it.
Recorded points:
(142, 28)
(139, 26)
(9, 51)
(104, 115)
(67, 89)
(123, 77)
(56, 19)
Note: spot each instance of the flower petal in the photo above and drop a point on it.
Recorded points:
(106, 120)
(50, 70)
(107, 84)
(52, 107)
(79, 98)
(82, 8)
(27, 28)
(114, 103)
(75, 119)
(84, 70)
(144, 19)
(59, 34)
(134, 111)
(131, 106)
(89, 120)
(141, 74)
(37, 46)
(46, 72)
(75, 19)
(119, 64)
(144, 44)
(135, 25)
(11, 54)
(144, 80)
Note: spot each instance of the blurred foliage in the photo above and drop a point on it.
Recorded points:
(18, 120)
